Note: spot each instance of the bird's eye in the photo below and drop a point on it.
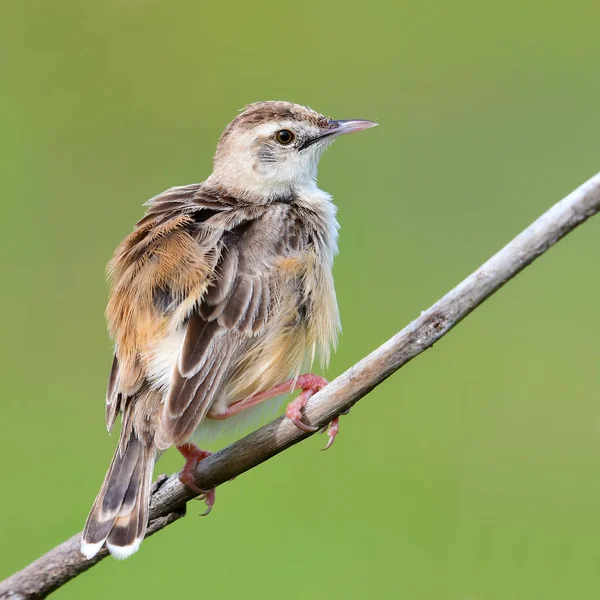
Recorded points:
(285, 137)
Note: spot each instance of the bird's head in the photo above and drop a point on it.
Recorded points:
(272, 149)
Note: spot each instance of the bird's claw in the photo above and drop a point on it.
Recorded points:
(193, 455)
(303, 426)
(311, 384)
(209, 498)
(332, 430)
(207, 495)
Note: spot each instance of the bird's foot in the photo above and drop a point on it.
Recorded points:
(193, 455)
(310, 385)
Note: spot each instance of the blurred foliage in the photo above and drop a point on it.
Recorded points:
(471, 474)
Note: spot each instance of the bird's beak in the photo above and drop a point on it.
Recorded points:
(337, 128)
(349, 126)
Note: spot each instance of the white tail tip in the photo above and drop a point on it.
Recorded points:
(90, 550)
(123, 552)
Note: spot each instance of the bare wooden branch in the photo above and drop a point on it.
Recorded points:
(169, 498)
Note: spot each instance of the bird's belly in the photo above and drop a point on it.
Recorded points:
(274, 358)
(232, 428)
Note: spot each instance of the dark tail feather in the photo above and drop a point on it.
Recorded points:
(119, 515)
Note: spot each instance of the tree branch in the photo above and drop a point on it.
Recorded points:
(169, 498)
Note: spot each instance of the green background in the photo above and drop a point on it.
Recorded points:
(474, 473)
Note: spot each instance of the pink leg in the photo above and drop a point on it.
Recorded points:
(309, 384)
(193, 455)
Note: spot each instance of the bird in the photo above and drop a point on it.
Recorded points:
(220, 300)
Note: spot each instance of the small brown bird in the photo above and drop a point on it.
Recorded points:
(220, 299)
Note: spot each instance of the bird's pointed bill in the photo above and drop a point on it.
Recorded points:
(350, 126)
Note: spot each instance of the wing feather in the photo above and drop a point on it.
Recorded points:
(233, 309)
(113, 397)
(238, 303)
(199, 335)
(203, 262)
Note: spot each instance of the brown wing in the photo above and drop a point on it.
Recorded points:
(197, 260)
(235, 308)
(167, 260)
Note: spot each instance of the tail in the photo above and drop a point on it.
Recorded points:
(119, 515)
